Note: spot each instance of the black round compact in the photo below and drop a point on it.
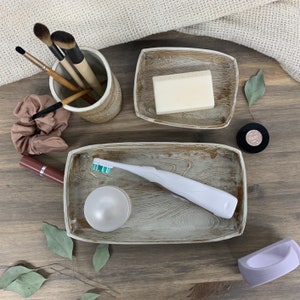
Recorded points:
(253, 138)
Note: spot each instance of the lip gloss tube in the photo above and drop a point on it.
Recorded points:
(38, 167)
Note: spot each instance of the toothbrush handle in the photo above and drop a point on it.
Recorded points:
(217, 201)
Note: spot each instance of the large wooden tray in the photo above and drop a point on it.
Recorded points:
(158, 216)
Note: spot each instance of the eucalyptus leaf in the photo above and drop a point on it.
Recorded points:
(58, 241)
(26, 284)
(101, 256)
(89, 296)
(255, 88)
(12, 274)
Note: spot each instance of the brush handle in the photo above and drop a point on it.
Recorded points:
(60, 104)
(56, 76)
(68, 84)
(75, 96)
(81, 64)
(72, 72)
(47, 110)
(62, 80)
(67, 66)
(57, 53)
(217, 201)
(87, 73)
(51, 72)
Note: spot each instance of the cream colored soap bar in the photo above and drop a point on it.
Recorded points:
(183, 92)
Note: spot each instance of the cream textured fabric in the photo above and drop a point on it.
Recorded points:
(99, 24)
(273, 29)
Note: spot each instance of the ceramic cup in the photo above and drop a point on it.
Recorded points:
(106, 107)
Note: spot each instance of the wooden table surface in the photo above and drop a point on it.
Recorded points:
(180, 271)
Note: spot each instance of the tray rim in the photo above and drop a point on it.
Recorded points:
(173, 124)
(73, 152)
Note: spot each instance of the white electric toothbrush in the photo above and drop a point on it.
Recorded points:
(217, 201)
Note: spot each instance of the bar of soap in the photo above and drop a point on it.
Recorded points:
(183, 92)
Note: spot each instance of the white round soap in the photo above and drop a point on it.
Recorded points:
(107, 208)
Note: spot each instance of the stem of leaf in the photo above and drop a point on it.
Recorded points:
(250, 113)
(66, 271)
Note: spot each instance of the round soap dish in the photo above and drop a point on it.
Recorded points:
(270, 263)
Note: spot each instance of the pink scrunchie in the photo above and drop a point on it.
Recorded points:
(41, 135)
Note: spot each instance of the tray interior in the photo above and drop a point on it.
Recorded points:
(158, 216)
(170, 60)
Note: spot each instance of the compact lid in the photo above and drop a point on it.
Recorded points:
(253, 137)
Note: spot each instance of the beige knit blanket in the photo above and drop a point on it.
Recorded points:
(269, 26)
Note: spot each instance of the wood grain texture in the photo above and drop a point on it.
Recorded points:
(179, 271)
(157, 215)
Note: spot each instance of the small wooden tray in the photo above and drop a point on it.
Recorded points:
(158, 216)
(168, 60)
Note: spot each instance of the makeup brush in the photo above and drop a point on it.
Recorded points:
(67, 42)
(42, 32)
(60, 104)
(52, 73)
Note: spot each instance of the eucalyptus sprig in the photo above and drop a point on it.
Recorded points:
(58, 241)
(22, 280)
(255, 88)
(89, 296)
(101, 257)
(26, 282)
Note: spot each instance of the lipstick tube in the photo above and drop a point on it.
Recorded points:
(43, 170)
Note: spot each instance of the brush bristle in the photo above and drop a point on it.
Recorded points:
(42, 32)
(63, 39)
(20, 50)
(101, 169)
